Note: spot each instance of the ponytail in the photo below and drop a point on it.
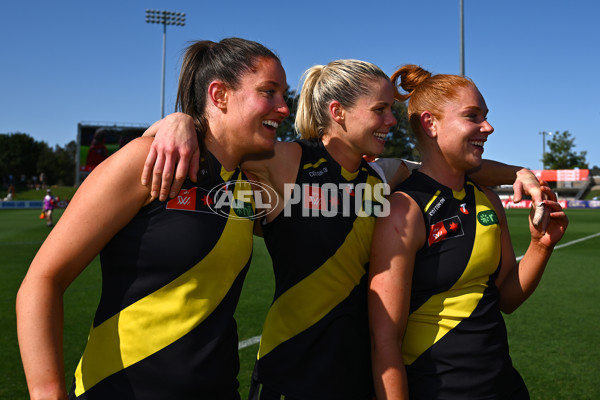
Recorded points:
(191, 99)
(307, 114)
(342, 80)
(205, 61)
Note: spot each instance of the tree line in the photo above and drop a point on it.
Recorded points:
(23, 160)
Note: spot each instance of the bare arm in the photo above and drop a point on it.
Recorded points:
(494, 173)
(104, 203)
(275, 171)
(517, 281)
(396, 240)
(175, 146)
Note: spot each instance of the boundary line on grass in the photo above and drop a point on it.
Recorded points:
(248, 342)
(253, 340)
(560, 246)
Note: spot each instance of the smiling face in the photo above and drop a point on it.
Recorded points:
(463, 129)
(367, 123)
(257, 107)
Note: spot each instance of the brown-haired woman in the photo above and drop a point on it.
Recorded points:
(163, 329)
(442, 263)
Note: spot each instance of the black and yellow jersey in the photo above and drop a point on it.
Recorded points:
(455, 345)
(171, 279)
(315, 341)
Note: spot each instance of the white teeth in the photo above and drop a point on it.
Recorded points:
(477, 143)
(271, 123)
(380, 135)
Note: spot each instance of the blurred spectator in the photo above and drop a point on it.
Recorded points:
(42, 180)
(11, 192)
(97, 151)
(49, 204)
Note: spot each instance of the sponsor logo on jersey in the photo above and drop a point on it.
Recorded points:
(487, 217)
(446, 229)
(185, 200)
(463, 208)
(437, 207)
(314, 198)
(320, 172)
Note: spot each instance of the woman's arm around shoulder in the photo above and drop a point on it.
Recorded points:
(494, 173)
(174, 154)
(396, 240)
(106, 201)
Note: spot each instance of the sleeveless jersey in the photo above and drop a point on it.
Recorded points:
(315, 341)
(171, 280)
(455, 345)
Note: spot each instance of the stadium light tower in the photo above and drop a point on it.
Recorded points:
(165, 18)
(544, 133)
(462, 38)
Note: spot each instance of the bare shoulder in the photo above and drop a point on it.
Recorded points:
(403, 206)
(398, 236)
(279, 166)
(288, 149)
(492, 196)
(120, 173)
(405, 219)
(105, 202)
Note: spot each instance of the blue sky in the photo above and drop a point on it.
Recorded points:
(536, 62)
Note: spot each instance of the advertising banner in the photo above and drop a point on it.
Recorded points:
(527, 203)
(562, 175)
(21, 204)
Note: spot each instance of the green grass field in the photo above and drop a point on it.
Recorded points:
(554, 336)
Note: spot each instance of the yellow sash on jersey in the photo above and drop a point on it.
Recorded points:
(444, 311)
(307, 302)
(133, 334)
